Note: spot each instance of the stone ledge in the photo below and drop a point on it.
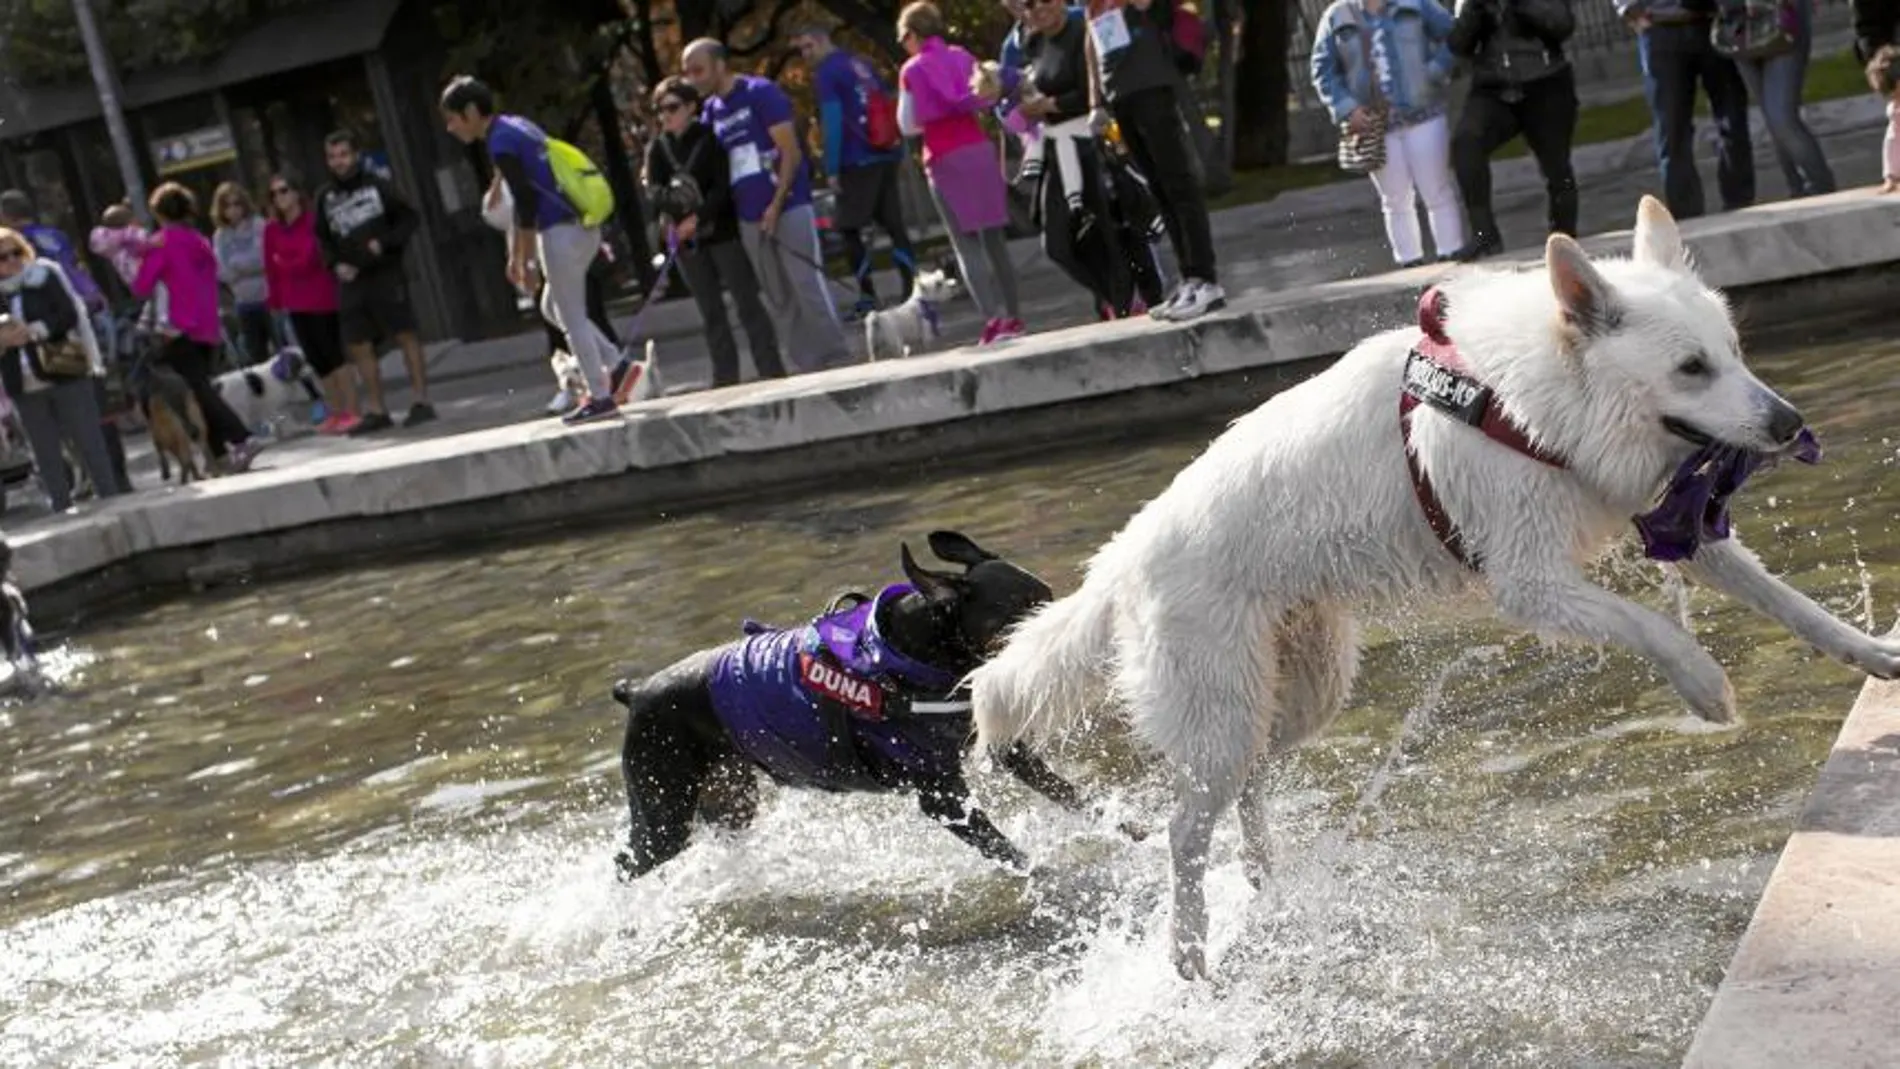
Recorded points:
(718, 442)
(1816, 977)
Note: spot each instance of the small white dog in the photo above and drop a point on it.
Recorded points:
(913, 325)
(1221, 618)
(643, 383)
(272, 395)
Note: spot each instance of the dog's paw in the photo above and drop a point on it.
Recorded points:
(1719, 709)
(1878, 657)
(626, 869)
(1190, 961)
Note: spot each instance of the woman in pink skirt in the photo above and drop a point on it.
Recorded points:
(934, 100)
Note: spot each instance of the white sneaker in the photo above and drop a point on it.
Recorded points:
(1197, 298)
(563, 402)
(1160, 311)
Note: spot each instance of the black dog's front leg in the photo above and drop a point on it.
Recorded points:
(1042, 779)
(1036, 773)
(948, 804)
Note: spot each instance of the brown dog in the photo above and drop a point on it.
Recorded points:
(177, 424)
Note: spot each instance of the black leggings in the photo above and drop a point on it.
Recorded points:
(1157, 135)
(254, 327)
(192, 361)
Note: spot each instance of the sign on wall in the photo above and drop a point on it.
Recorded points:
(206, 147)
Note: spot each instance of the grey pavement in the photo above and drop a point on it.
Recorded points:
(1299, 238)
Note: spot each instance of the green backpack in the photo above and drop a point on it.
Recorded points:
(581, 182)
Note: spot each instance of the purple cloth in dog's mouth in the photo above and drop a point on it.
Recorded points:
(1693, 508)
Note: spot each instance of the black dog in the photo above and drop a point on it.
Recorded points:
(17, 643)
(865, 698)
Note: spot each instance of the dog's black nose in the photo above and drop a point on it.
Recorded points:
(1784, 423)
(623, 691)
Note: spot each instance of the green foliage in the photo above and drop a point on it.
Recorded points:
(41, 42)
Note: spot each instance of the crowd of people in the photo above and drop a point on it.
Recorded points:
(1384, 69)
(1098, 94)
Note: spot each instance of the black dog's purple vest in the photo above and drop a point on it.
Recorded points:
(831, 706)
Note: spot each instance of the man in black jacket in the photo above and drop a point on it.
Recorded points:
(1521, 82)
(363, 225)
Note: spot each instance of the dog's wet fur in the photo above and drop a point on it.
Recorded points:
(17, 643)
(1222, 620)
(677, 758)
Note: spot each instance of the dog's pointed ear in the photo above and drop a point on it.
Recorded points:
(1657, 240)
(956, 547)
(1583, 296)
(934, 586)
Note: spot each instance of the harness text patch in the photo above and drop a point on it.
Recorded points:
(829, 681)
(1444, 389)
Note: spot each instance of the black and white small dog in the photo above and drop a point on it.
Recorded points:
(272, 395)
(866, 697)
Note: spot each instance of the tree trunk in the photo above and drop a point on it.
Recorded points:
(697, 19)
(1260, 85)
(627, 207)
(1225, 39)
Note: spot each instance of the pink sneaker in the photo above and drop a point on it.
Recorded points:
(1008, 330)
(339, 424)
(989, 331)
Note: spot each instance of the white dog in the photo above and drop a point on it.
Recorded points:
(912, 325)
(644, 384)
(1220, 619)
(273, 394)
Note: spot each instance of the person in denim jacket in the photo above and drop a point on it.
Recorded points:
(1402, 45)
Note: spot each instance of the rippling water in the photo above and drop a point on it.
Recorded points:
(367, 819)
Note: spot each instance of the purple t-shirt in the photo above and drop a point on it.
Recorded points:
(514, 136)
(742, 120)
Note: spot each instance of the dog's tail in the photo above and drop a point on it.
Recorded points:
(1054, 668)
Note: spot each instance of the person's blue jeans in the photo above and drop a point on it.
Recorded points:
(1775, 83)
(1674, 58)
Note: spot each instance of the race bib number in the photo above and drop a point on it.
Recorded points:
(1111, 32)
(745, 162)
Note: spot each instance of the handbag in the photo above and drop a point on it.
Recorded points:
(1753, 30)
(66, 358)
(1363, 151)
(681, 197)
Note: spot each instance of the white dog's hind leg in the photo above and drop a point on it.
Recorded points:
(1201, 690)
(1728, 566)
(1318, 651)
(1568, 605)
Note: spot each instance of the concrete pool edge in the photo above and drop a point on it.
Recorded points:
(1815, 979)
(1801, 259)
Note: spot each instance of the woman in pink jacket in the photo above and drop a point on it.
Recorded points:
(297, 282)
(180, 259)
(934, 100)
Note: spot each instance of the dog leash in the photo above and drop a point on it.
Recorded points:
(626, 361)
(823, 271)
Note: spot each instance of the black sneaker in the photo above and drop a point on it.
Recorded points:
(371, 423)
(1477, 248)
(419, 413)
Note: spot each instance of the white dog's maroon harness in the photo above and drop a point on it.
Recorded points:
(1436, 375)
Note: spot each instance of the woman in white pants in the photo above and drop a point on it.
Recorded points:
(1392, 55)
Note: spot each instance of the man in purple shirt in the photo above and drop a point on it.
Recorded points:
(547, 232)
(861, 157)
(771, 190)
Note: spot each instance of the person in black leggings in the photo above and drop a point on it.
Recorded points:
(183, 263)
